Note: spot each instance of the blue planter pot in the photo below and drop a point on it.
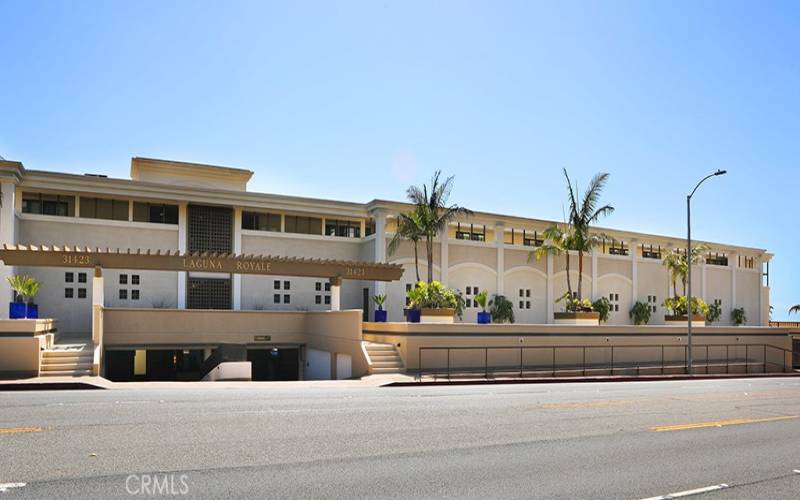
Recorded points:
(413, 315)
(484, 318)
(380, 316)
(32, 311)
(16, 310)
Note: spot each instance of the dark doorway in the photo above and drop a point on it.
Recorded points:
(365, 306)
(272, 364)
(119, 366)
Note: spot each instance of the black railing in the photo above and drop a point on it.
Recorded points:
(705, 356)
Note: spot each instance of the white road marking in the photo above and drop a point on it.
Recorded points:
(4, 487)
(689, 493)
(796, 471)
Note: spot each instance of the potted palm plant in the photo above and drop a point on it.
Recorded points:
(16, 309)
(679, 311)
(380, 313)
(415, 299)
(484, 317)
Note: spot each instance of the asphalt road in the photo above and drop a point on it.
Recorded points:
(599, 440)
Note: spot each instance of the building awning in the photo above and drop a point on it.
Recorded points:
(80, 257)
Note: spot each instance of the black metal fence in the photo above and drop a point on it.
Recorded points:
(751, 358)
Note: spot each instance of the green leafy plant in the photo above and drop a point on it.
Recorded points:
(434, 212)
(714, 313)
(379, 300)
(409, 227)
(603, 307)
(435, 295)
(738, 316)
(675, 262)
(678, 305)
(481, 300)
(640, 313)
(25, 285)
(572, 304)
(501, 309)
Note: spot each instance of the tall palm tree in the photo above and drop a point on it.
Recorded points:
(435, 213)
(409, 227)
(582, 213)
(676, 264)
(794, 309)
(557, 241)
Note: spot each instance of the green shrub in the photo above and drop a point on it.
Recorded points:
(572, 304)
(379, 300)
(481, 299)
(678, 305)
(435, 295)
(738, 316)
(501, 309)
(640, 314)
(603, 307)
(714, 313)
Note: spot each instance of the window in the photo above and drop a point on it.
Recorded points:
(343, 228)
(81, 277)
(747, 262)
(286, 285)
(318, 286)
(617, 248)
(652, 300)
(327, 300)
(328, 286)
(276, 299)
(259, 221)
(369, 227)
(470, 232)
(123, 279)
(69, 277)
(134, 279)
(48, 204)
(102, 208)
(717, 259)
(81, 293)
(318, 299)
(287, 298)
(134, 294)
(276, 284)
(613, 299)
(68, 293)
(302, 225)
(648, 252)
(524, 293)
(469, 299)
(159, 213)
(123, 294)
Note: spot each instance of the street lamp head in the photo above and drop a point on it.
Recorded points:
(720, 172)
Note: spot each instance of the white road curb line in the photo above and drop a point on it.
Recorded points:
(4, 487)
(689, 493)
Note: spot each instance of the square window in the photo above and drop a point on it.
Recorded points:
(276, 298)
(528, 304)
(528, 292)
(475, 289)
(123, 294)
(69, 277)
(469, 290)
(318, 299)
(616, 296)
(327, 299)
(318, 286)
(286, 285)
(134, 279)
(521, 304)
(521, 292)
(81, 293)
(286, 299)
(408, 287)
(276, 284)
(469, 302)
(616, 307)
(68, 293)
(135, 294)
(81, 277)
(610, 296)
(123, 279)
(328, 287)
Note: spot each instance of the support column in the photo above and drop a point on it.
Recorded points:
(183, 244)
(594, 274)
(703, 281)
(499, 242)
(98, 300)
(336, 294)
(444, 258)
(236, 279)
(549, 298)
(732, 264)
(8, 235)
(380, 247)
(634, 272)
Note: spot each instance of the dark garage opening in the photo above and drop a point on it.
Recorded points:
(274, 364)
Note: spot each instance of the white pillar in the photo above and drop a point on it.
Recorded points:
(549, 298)
(98, 300)
(732, 265)
(98, 293)
(703, 281)
(594, 273)
(183, 244)
(380, 247)
(634, 272)
(444, 258)
(499, 241)
(236, 279)
(336, 294)
(8, 235)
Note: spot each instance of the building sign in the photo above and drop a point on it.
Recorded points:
(22, 255)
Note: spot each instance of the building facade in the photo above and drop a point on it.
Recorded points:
(168, 205)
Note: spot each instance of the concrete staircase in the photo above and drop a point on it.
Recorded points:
(72, 357)
(384, 358)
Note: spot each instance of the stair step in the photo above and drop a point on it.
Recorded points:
(384, 354)
(66, 366)
(66, 373)
(67, 354)
(380, 347)
(385, 370)
(387, 365)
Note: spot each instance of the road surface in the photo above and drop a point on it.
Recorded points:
(290, 440)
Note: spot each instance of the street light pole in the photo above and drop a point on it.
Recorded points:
(689, 308)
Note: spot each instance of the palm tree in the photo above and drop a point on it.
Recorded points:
(794, 309)
(409, 227)
(557, 241)
(675, 262)
(582, 213)
(435, 213)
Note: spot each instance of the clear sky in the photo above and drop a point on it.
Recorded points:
(356, 100)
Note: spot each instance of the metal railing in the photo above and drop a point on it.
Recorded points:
(661, 364)
(785, 324)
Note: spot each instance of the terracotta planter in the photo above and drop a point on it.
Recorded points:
(438, 315)
(697, 320)
(577, 318)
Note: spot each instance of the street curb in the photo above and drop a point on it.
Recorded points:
(579, 380)
(49, 386)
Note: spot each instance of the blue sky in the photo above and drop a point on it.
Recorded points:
(356, 100)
